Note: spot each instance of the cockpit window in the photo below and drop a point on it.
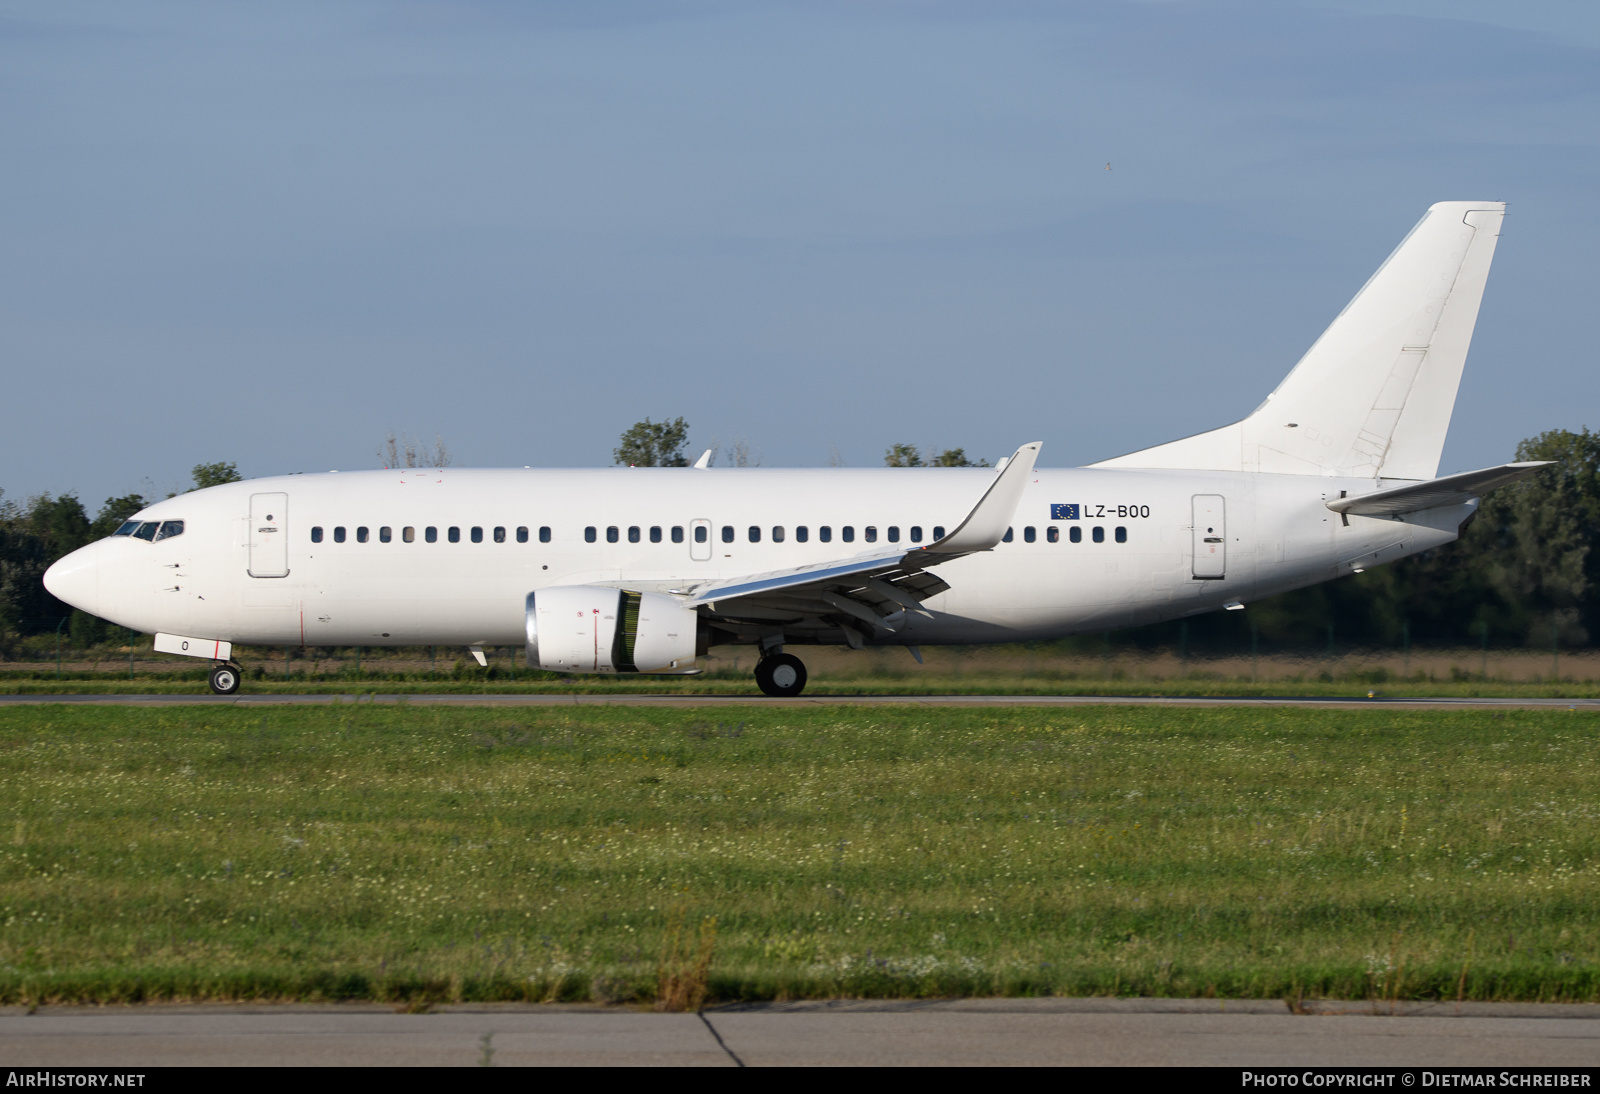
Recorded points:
(128, 528)
(147, 530)
(168, 529)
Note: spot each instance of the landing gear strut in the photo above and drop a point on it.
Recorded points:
(225, 679)
(782, 675)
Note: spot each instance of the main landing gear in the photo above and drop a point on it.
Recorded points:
(781, 675)
(225, 679)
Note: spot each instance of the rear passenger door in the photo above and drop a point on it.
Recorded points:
(1210, 537)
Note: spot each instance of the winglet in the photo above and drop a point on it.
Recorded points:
(705, 459)
(986, 525)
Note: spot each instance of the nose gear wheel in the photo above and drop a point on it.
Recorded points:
(225, 679)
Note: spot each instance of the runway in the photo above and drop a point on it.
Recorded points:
(1322, 702)
(950, 1033)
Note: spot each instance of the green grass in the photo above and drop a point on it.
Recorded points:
(414, 854)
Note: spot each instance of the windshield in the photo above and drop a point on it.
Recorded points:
(168, 529)
(127, 529)
(147, 530)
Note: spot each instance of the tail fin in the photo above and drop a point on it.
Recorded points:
(1373, 396)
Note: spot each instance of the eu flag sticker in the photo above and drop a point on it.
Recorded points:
(1063, 512)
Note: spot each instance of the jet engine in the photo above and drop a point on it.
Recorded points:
(590, 628)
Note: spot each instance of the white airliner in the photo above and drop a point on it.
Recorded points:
(635, 570)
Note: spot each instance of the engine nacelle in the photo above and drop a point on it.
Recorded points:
(590, 628)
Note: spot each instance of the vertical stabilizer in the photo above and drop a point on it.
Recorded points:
(1373, 396)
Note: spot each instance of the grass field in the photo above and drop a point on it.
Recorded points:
(1062, 668)
(426, 854)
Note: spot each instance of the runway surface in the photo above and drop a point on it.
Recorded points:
(1343, 703)
(978, 1032)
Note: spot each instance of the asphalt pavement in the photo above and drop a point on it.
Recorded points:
(973, 1032)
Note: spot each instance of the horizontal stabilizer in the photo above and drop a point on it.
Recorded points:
(1450, 490)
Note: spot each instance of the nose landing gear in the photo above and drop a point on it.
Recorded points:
(781, 676)
(225, 679)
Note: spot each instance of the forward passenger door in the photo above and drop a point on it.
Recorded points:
(269, 535)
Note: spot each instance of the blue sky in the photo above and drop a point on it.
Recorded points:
(273, 233)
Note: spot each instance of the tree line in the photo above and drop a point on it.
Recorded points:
(34, 533)
(1526, 572)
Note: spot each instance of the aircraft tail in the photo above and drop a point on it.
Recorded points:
(1373, 396)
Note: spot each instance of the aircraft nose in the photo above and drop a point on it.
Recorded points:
(75, 579)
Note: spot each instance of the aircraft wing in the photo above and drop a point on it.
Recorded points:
(873, 587)
(1450, 490)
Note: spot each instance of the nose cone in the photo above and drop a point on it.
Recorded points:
(76, 579)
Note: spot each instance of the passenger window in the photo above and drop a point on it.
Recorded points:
(170, 528)
(477, 535)
(755, 534)
(147, 530)
(677, 533)
(431, 534)
(825, 534)
(612, 534)
(128, 528)
(727, 533)
(633, 533)
(409, 534)
(1008, 537)
(1075, 534)
(801, 533)
(894, 533)
(361, 534)
(1029, 535)
(700, 533)
(655, 533)
(916, 533)
(1099, 534)
(385, 534)
(588, 534)
(499, 535)
(522, 533)
(453, 535)
(338, 534)
(544, 534)
(848, 533)
(1122, 535)
(1053, 534)
(316, 534)
(872, 533)
(777, 533)
(938, 532)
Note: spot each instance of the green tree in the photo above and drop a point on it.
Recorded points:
(31, 538)
(653, 444)
(903, 455)
(906, 455)
(215, 474)
(955, 457)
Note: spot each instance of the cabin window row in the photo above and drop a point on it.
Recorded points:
(430, 534)
(847, 533)
(1052, 534)
(636, 534)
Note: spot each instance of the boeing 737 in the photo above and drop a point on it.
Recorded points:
(643, 570)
